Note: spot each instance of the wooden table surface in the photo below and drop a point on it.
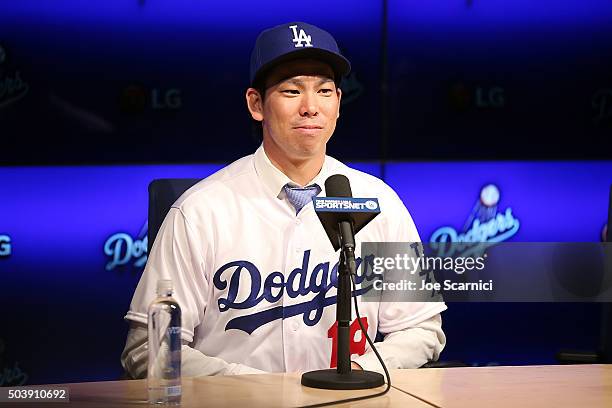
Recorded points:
(498, 387)
(249, 391)
(571, 386)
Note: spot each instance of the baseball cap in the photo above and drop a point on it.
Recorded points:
(290, 41)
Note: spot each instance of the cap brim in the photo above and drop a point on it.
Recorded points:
(340, 65)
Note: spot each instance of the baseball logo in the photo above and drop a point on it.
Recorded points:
(489, 196)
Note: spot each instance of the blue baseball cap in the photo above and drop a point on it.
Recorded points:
(295, 40)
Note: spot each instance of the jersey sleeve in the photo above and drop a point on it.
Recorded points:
(394, 316)
(179, 253)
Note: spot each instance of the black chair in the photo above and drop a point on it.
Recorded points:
(162, 194)
(604, 353)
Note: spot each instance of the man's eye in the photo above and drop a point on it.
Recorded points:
(326, 91)
(291, 92)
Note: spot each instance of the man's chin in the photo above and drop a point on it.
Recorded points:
(306, 152)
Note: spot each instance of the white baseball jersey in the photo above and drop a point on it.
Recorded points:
(255, 281)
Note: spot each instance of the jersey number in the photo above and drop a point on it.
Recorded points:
(355, 347)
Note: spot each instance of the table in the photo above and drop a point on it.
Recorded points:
(557, 386)
(498, 387)
(248, 391)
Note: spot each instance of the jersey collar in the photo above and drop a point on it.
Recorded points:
(275, 180)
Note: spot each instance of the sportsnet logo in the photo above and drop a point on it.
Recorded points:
(343, 204)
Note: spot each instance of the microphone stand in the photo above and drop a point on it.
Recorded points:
(343, 377)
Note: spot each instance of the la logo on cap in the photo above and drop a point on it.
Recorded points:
(298, 38)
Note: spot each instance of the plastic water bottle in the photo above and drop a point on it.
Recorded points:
(164, 364)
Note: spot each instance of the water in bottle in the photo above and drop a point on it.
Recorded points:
(164, 364)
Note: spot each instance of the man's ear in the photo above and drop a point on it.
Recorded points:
(339, 92)
(255, 104)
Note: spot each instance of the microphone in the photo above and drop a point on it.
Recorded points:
(342, 216)
(338, 185)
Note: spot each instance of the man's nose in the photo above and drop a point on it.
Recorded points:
(309, 105)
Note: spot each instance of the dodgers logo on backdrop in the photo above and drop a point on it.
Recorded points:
(352, 88)
(123, 249)
(12, 89)
(10, 376)
(5, 246)
(485, 225)
(301, 37)
(301, 282)
(602, 105)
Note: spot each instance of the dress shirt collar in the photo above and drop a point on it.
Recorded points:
(275, 180)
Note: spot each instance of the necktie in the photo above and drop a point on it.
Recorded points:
(300, 196)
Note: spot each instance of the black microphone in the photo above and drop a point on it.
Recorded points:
(338, 185)
(342, 216)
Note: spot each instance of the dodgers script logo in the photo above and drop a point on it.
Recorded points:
(12, 89)
(321, 280)
(10, 376)
(484, 225)
(298, 38)
(602, 105)
(122, 249)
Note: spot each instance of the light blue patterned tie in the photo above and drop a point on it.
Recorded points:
(300, 196)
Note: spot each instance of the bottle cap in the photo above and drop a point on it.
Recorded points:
(164, 287)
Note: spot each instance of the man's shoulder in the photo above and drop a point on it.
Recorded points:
(219, 184)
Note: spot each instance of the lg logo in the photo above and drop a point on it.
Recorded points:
(464, 97)
(492, 97)
(5, 246)
(137, 99)
(166, 99)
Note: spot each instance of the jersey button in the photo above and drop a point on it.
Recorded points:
(295, 326)
(298, 221)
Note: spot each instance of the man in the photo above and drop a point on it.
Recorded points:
(253, 269)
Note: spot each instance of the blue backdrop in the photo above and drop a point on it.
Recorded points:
(72, 250)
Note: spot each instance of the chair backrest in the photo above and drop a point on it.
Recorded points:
(609, 234)
(162, 194)
(606, 318)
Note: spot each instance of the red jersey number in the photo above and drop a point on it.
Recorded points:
(355, 347)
